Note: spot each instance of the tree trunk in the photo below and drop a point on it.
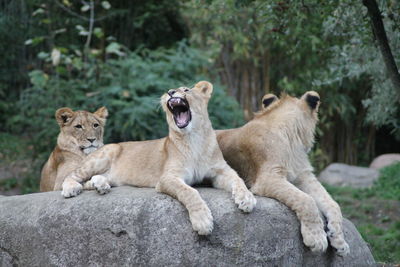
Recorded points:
(246, 80)
(380, 34)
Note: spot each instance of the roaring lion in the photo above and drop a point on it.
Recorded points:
(188, 155)
(270, 154)
(81, 133)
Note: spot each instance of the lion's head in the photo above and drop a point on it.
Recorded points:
(297, 116)
(81, 131)
(187, 107)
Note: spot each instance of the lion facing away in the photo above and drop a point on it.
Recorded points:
(270, 153)
(81, 132)
(188, 155)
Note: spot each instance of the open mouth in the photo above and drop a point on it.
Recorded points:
(179, 108)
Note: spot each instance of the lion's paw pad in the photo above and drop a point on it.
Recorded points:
(245, 201)
(202, 221)
(315, 239)
(338, 242)
(343, 250)
(100, 184)
(71, 189)
(103, 189)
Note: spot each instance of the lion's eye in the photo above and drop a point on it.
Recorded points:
(186, 90)
(78, 126)
(95, 125)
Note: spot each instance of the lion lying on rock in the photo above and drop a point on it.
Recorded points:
(187, 156)
(81, 133)
(270, 153)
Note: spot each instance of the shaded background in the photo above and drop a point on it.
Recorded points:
(125, 54)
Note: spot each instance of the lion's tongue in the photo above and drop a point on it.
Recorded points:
(182, 118)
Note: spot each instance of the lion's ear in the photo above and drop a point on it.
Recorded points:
(64, 115)
(102, 112)
(268, 99)
(204, 87)
(312, 99)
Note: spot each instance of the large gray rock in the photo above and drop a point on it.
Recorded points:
(339, 174)
(384, 160)
(139, 227)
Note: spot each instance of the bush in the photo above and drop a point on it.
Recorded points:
(129, 86)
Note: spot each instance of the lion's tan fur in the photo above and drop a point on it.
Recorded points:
(72, 144)
(185, 157)
(270, 154)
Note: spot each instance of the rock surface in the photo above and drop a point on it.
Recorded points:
(139, 227)
(384, 160)
(339, 174)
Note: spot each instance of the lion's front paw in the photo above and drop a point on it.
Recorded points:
(71, 188)
(100, 184)
(314, 236)
(202, 220)
(336, 239)
(245, 200)
(343, 249)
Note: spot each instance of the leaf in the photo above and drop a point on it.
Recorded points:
(85, 8)
(66, 2)
(84, 33)
(79, 28)
(55, 56)
(60, 31)
(38, 78)
(38, 11)
(114, 48)
(106, 4)
(98, 32)
(46, 21)
(43, 55)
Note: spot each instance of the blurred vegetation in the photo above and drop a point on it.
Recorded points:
(129, 87)
(124, 55)
(294, 46)
(85, 54)
(376, 212)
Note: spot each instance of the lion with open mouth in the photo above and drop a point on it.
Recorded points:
(187, 156)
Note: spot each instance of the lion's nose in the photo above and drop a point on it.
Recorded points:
(171, 92)
(91, 140)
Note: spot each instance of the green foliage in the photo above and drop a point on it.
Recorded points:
(306, 45)
(130, 87)
(289, 32)
(12, 147)
(385, 242)
(388, 185)
(376, 212)
(8, 184)
(356, 56)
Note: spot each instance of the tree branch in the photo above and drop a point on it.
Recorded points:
(90, 32)
(69, 11)
(380, 34)
(91, 22)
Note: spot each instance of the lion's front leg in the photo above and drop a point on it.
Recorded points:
(199, 213)
(227, 179)
(96, 163)
(331, 210)
(272, 183)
